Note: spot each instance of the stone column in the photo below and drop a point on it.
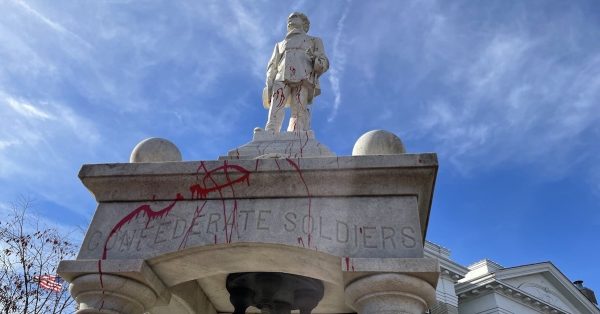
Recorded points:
(107, 293)
(389, 293)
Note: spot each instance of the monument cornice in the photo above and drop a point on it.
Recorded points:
(381, 175)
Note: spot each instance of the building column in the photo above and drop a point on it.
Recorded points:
(447, 300)
(390, 293)
(105, 293)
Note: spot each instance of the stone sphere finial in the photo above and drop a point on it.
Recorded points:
(155, 149)
(378, 142)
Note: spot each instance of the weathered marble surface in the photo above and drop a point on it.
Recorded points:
(269, 144)
(390, 293)
(396, 184)
(378, 142)
(171, 216)
(293, 75)
(341, 226)
(155, 149)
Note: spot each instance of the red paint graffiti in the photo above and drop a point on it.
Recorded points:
(197, 213)
(209, 184)
(280, 97)
(308, 195)
(349, 264)
(101, 284)
(202, 191)
(233, 174)
(304, 145)
(143, 210)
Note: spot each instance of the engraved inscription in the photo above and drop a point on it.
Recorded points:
(366, 230)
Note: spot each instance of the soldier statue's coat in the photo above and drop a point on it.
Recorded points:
(291, 63)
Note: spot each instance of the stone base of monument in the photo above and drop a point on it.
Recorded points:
(269, 144)
(166, 236)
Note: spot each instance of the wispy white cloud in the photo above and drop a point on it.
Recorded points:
(480, 91)
(483, 92)
(248, 30)
(47, 21)
(42, 143)
(519, 99)
(50, 23)
(7, 143)
(53, 120)
(338, 63)
(27, 109)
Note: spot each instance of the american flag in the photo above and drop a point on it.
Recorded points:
(49, 282)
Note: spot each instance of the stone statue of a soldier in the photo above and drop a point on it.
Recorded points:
(293, 75)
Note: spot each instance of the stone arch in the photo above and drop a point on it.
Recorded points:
(209, 266)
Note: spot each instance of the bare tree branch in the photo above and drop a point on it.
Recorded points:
(29, 249)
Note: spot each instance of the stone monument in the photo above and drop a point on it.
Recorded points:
(293, 75)
(276, 225)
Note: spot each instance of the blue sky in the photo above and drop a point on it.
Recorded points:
(506, 92)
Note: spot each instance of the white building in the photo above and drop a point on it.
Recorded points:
(488, 288)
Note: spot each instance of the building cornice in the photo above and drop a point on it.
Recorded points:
(448, 267)
(495, 282)
(491, 285)
(559, 278)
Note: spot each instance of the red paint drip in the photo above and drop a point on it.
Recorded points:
(298, 95)
(218, 188)
(198, 192)
(197, 213)
(202, 192)
(295, 166)
(280, 96)
(233, 216)
(347, 259)
(100, 273)
(299, 104)
(304, 145)
(144, 209)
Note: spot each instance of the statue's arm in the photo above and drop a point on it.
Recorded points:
(321, 61)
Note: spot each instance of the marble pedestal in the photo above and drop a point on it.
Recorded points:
(165, 236)
(269, 144)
